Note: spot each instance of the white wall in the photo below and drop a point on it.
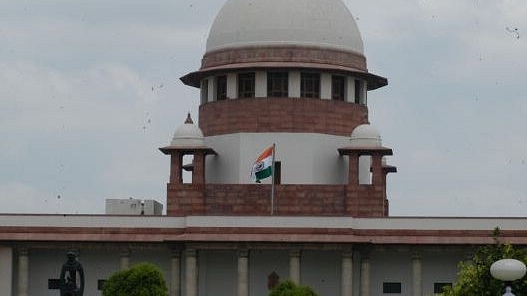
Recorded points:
(440, 266)
(394, 264)
(391, 265)
(261, 264)
(306, 158)
(217, 272)
(321, 270)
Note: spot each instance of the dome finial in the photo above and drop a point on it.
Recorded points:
(189, 119)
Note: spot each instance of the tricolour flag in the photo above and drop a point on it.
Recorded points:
(263, 165)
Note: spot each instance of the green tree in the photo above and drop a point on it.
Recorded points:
(143, 279)
(475, 278)
(289, 288)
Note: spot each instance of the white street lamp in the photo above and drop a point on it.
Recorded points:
(508, 270)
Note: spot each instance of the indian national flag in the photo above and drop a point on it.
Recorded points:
(263, 166)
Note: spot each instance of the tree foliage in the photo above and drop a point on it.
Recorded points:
(289, 288)
(475, 278)
(143, 279)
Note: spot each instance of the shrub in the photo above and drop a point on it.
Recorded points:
(289, 288)
(143, 279)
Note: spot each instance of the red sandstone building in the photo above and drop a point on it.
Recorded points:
(273, 72)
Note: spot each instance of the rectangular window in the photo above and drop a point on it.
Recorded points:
(358, 91)
(438, 287)
(309, 85)
(337, 88)
(277, 84)
(246, 85)
(391, 288)
(221, 88)
(100, 284)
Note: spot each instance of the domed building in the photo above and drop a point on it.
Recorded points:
(294, 76)
(281, 77)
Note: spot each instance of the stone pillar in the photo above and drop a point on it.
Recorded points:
(232, 86)
(175, 267)
(260, 84)
(325, 86)
(350, 89)
(417, 278)
(191, 272)
(176, 165)
(125, 258)
(294, 266)
(353, 174)
(294, 84)
(347, 273)
(210, 90)
(365, 276)
(23, 272)
(198, 170)
(376, 169)
(243, 273)
(6, 270)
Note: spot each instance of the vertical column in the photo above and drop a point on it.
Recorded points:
(294, 266)
(6, 269)
(260, 84)
(376, 168)
(176, 161)
(325, 86)
(417, 278)
(175, 267)
(211, 92)
(350, 89)
(243, 273)
(191, 273)
(232, 85)
(364, 95)
(365, 275)
(294, 84)
(353, 174)
(347, 273)
(198, 171)
(125, 258)
(23, 272)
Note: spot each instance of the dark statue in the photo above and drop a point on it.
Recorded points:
(72, 277)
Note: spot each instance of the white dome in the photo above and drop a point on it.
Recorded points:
(188, 134)
(323, 23)
(365, 135)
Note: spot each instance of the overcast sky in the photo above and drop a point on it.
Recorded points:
(90, 89)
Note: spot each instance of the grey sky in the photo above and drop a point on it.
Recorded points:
(89, 90)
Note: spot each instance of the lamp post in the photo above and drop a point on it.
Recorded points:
(508, 270)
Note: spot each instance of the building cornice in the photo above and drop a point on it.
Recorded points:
(150, 229)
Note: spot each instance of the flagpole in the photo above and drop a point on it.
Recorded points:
(272, 182)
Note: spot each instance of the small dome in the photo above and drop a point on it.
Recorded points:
(188, 134)
(321, 23)
(365, 135)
